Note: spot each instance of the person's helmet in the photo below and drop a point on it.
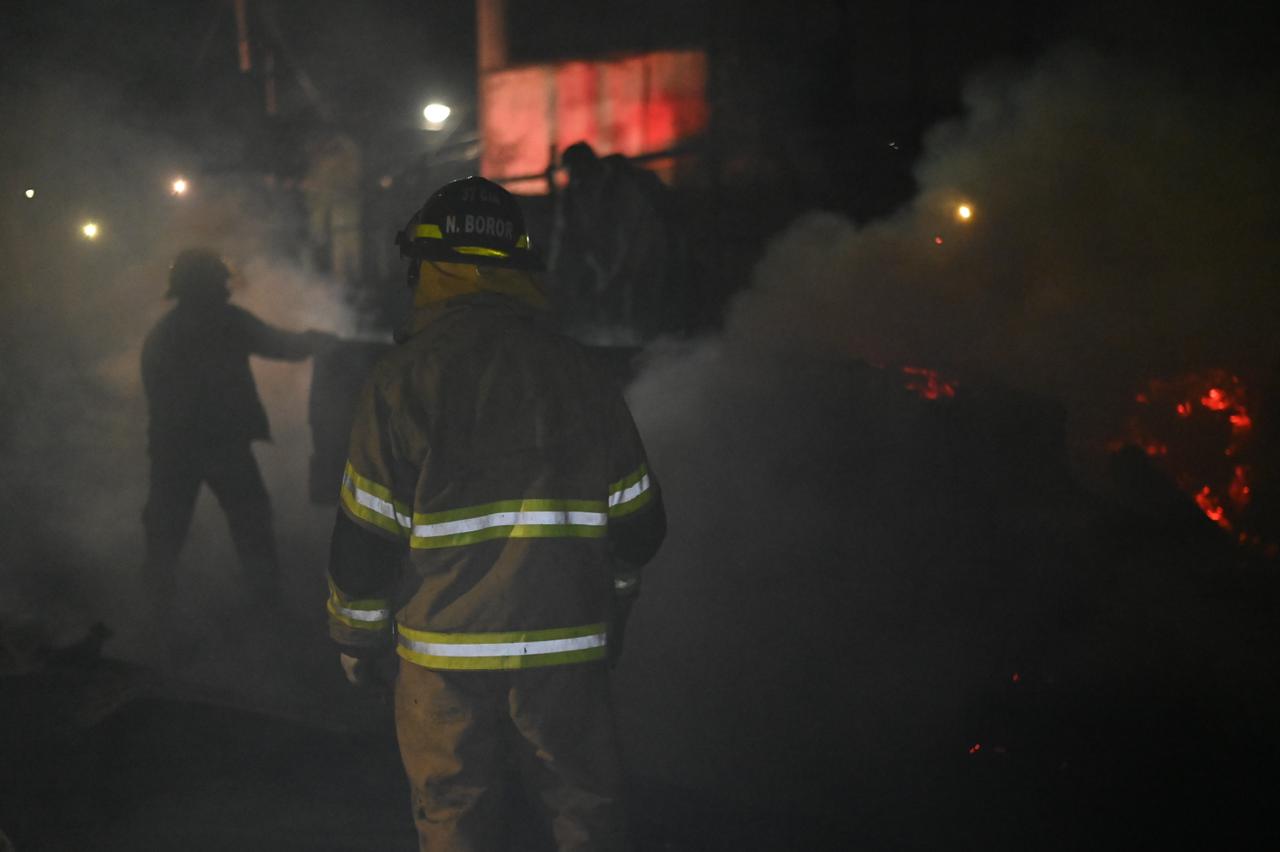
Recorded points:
(199, 273)
(579, 155)
(471, 220)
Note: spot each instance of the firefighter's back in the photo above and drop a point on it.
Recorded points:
(512, 476)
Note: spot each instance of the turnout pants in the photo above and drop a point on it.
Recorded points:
(459, 732)
(232, 474)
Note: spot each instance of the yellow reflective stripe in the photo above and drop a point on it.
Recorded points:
(510, 519)
(630, 493)
(368, 614)
(372, 502)
(430, 232)
(480, 250)
(511, 650)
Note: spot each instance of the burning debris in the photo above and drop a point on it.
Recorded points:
(1197, 429)
(928, 384)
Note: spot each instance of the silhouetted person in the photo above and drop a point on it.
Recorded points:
(616, 256)
(204, 413)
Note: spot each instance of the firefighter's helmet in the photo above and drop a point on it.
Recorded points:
(471, 220)
(198, 273)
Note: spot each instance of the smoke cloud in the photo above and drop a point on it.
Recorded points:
(852, 573)
(74, 426)
(1121, 230)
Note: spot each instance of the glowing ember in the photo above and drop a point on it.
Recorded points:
(1197, 429)
(1209, 505)
(1215, 400)
(1239, 491)
(927, 384)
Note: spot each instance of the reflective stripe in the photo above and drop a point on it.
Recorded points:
(518, 650)
(371, 614)
(480, 250)
(361, 614)
(630, 493)
(372, 503)
(511, 519)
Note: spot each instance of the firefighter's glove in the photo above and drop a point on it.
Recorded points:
(359, 672)
(377, 670)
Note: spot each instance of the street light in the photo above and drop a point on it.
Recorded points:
(90, 230)
(964, 212)
(179, 186)
(436, 114)
(30, 193)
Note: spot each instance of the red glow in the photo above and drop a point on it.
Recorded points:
(630, 105)
(1205, 448)
(927, 384)
(975, 748)
(937, 240)
(1212, 510)
(1239, 491)
(1016, 677)
(1215, 400)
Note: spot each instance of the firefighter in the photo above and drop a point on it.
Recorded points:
(495, 511)
(617, 254)
(204, 412)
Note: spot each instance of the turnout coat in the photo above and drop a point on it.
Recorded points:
(495, 488)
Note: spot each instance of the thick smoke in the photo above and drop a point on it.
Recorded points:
(851, 573)
(74, 433)
(1121, 231)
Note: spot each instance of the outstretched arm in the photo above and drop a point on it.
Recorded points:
(268, 341)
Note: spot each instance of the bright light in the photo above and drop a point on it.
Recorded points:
(179, 186)
(436, 114)
(30, 193)
(965, 212)
(90, 230)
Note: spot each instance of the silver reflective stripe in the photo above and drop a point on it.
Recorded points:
(503, 649)
(511, 519)
(362, 614)
(626, 495)
(379, 505)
